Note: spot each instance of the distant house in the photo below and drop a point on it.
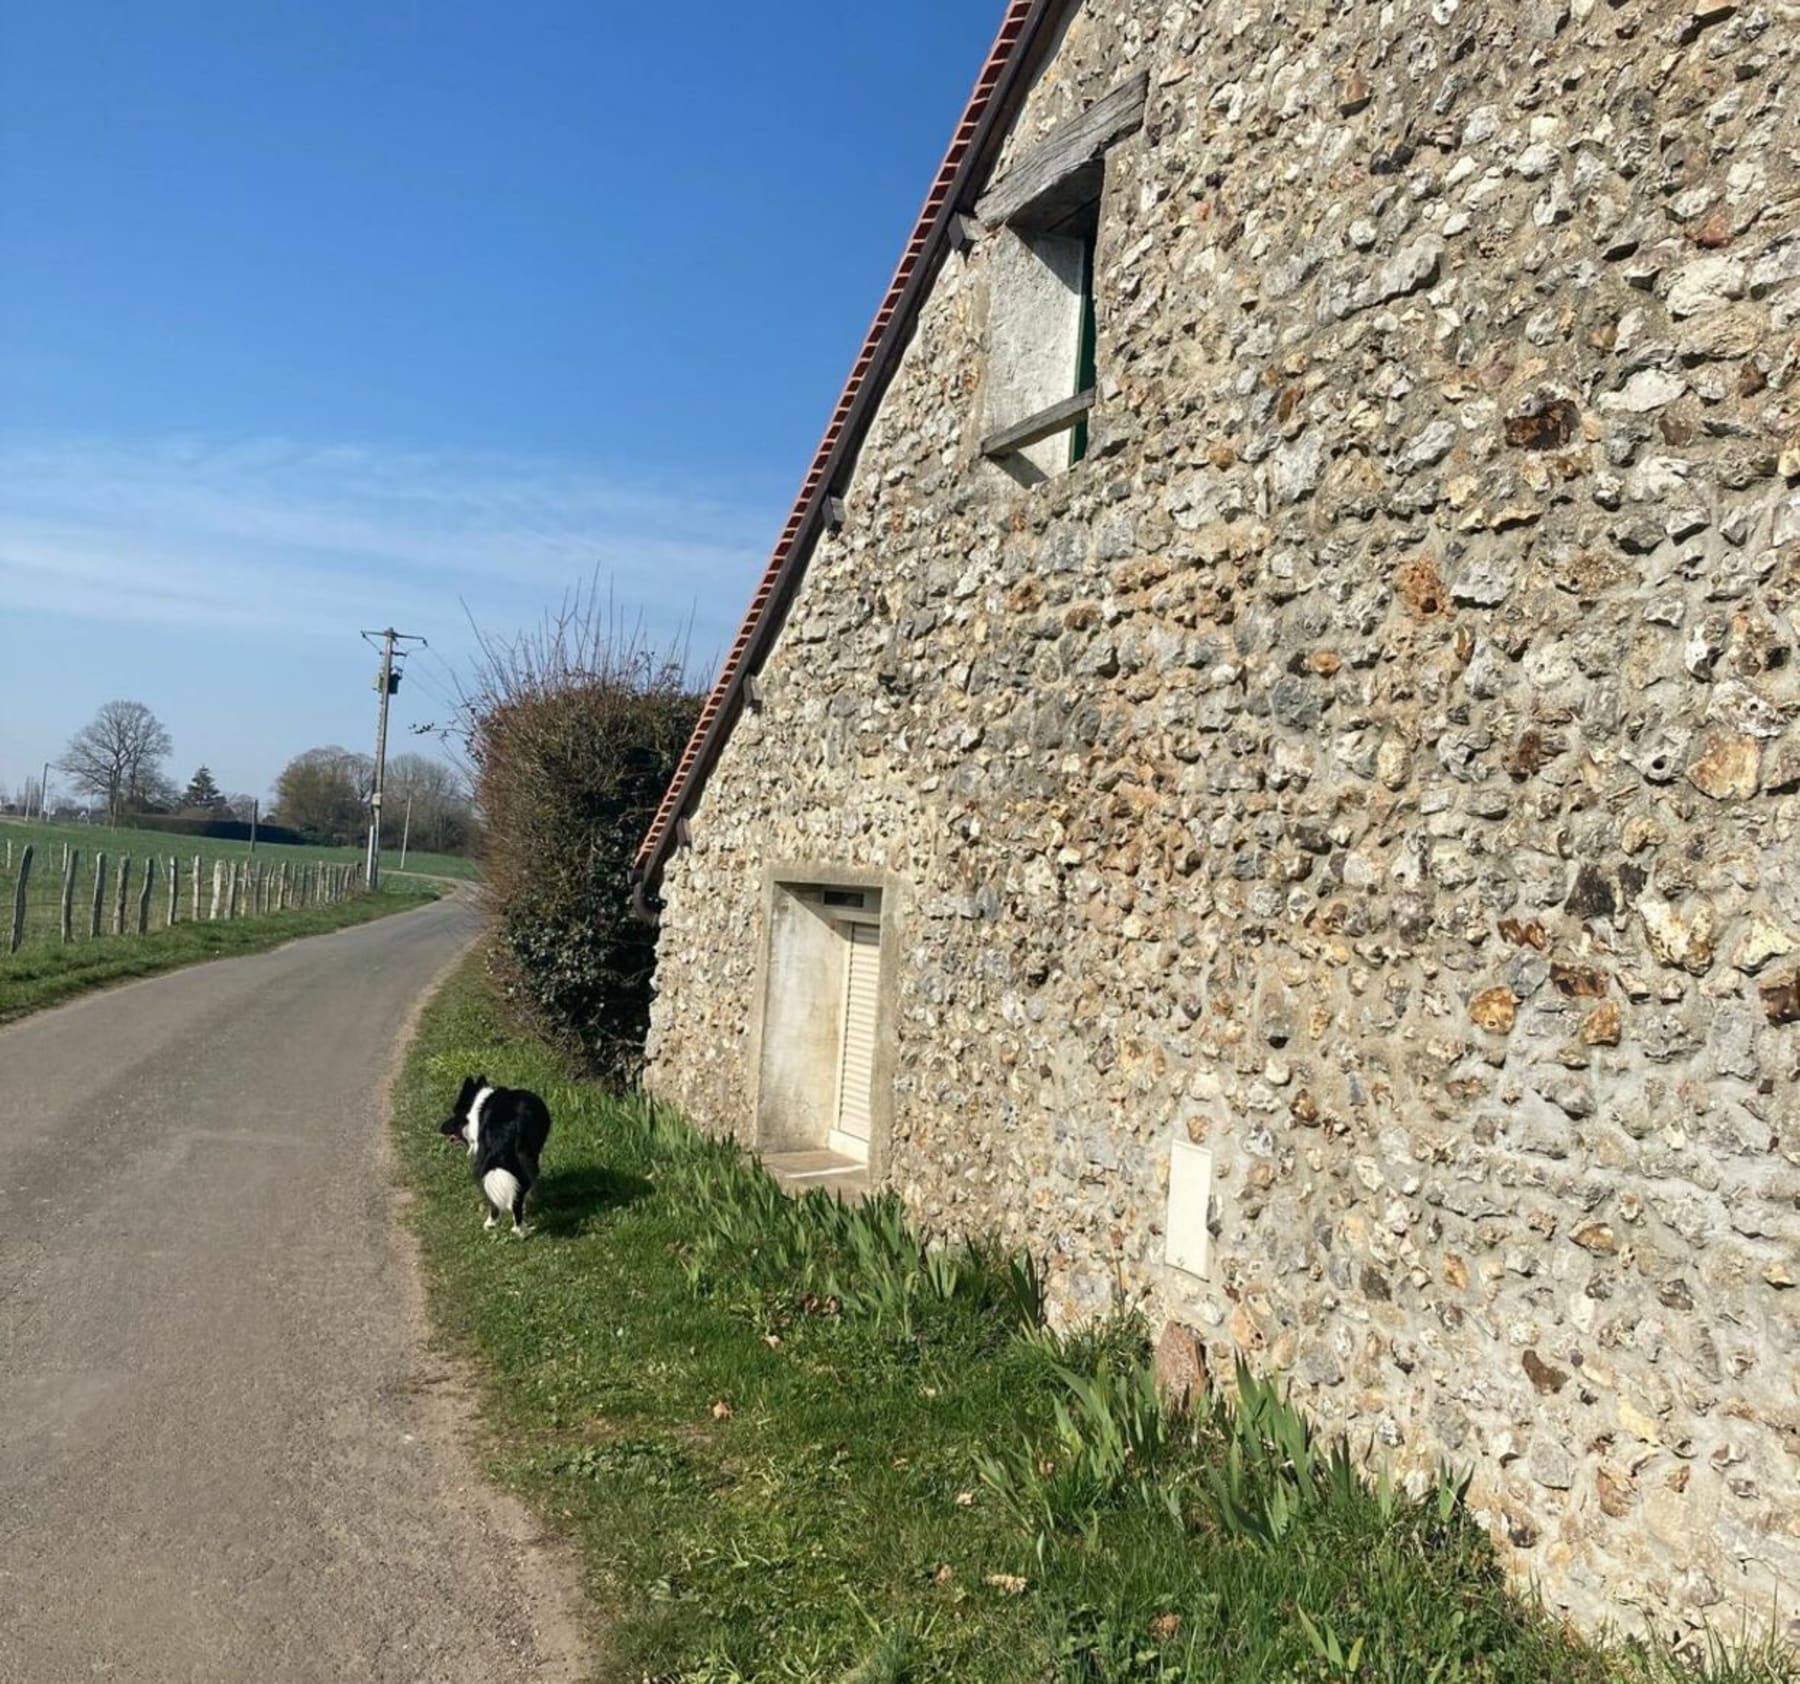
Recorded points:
(1264, 761)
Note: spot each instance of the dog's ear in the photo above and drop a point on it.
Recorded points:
(482, 1082)
(466, 1094)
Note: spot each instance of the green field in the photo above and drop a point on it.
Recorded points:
(46, 969)
(48, 841)
(49, 973)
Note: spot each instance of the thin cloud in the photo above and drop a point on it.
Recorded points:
(272, 533)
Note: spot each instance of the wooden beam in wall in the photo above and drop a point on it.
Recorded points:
(1069, 150)
(1021, 435)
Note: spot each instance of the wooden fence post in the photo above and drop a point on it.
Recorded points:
(124, 890)
(16, 939)
(144, 896)
(196, 913)
(218, 889)
(231, 893)
(71, 864)
(174, 890)
(99, 895)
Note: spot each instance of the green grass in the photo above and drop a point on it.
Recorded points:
(792, 1446)
(44, 891)
(43, 975)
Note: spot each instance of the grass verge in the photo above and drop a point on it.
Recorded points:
(36, 977)
(51, 845)
(793, 1445)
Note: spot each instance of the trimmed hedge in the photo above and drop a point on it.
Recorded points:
(217, 830)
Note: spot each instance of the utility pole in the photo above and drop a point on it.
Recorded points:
(387, 681)
(255, 814)
(44, 793)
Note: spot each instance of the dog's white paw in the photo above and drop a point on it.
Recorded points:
(492, 1222)
(521, 1231)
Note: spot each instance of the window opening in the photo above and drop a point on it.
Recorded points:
(1086, 371)
(1043, 342)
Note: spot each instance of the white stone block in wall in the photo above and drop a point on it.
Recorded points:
(1188, 1244)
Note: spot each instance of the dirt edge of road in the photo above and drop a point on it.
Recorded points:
(445, 1402)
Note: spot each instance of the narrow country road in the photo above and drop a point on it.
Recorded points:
(226, 1450)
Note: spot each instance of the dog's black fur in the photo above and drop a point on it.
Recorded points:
(505, 1130)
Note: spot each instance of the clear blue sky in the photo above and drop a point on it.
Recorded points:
(321, 314)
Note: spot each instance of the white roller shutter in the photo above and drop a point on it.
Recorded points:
(862, 971)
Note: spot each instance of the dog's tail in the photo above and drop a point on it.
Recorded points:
(502, 1189)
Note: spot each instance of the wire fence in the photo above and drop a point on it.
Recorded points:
(55, 892)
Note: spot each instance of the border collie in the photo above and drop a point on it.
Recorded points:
(505, 1130)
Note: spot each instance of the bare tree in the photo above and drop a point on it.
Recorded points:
(443, 816)
(117, 757)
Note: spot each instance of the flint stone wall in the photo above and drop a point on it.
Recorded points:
(1378, 759)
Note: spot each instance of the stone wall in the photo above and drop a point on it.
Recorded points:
(1377, 759)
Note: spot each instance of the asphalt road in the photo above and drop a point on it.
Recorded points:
(227, 1451)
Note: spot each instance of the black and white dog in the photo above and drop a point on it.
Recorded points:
(505, 1130)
